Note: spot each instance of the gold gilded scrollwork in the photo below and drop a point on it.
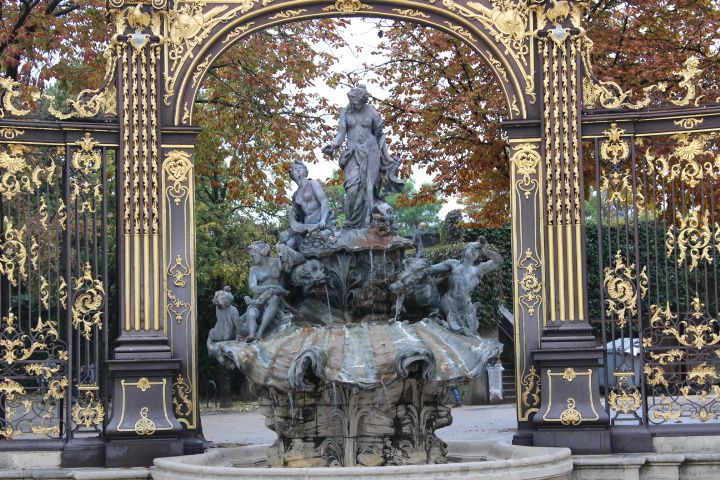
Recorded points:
(694, 236)
(86, 158)
(89, 102)
(88, 412)
(623, 399)
(56, 389)
(569, 374)
(622, 293)
(509, 24)
(10, 133)
(347, 6)
(688, 123)
(177, 168)
(526, 159)
(17, 175)
(288, 14)
(689, 74)
(41, 370)
(670, 356)
(571, 416)
(529, 283)
(697, 336)
(10, 91)
(408, 12)
(182, 402)
(530, 395)
(177, 307)
(655, 375)
(13, 259)
(143, 384)
(614, 149)
(188, 25)
(9, 388)
(15, 344)
(610, 95)
(667, 410)
(144, 426)
(87, 303)
(703, 374)
(459, 30)
(179, 271)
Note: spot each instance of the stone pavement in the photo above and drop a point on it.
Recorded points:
(483, 422)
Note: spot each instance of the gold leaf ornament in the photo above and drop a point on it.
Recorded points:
(89, 297)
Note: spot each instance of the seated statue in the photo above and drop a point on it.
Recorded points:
(463, 276)
(310, 210)
(229, 325)
(266, 285)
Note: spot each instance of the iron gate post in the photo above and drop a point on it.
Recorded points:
(568, 360)
(144, 371)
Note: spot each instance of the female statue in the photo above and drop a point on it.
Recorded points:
(310, 210)
(364, 160)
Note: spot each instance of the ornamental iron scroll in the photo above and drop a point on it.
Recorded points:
(686, 89)
(681, 352)
(622, 290)
(17, 100)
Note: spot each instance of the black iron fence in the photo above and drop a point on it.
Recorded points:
(57, 208)
(655, 203)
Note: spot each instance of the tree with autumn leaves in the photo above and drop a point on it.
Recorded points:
(444, 106)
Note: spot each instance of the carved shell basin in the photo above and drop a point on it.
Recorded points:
(367, 355)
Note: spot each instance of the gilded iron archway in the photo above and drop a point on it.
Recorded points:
(141, 120)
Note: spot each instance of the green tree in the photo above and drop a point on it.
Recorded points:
(413, 207)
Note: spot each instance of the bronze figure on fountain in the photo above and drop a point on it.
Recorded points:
(351, 346)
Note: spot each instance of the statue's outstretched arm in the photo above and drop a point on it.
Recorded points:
(495, 261)
(340, 137)
(442, 267)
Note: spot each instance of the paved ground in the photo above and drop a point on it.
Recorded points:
(487, 422)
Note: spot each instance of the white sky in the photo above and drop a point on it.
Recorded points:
(362, 38)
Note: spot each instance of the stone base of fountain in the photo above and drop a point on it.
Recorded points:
(370, 393)
(467, 460)
(346, 426)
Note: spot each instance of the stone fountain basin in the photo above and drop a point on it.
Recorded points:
(467, 460)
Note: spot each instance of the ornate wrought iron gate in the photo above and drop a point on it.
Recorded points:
(654, 209)
(57, 204)
(96, 205)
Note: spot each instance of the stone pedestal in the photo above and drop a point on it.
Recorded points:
(142, 425)
(571, 414)
(343, 425)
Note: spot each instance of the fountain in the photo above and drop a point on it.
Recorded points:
(351, 346)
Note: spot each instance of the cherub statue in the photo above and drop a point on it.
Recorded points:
(228, 324)
(464, 276)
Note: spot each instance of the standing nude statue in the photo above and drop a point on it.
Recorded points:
(364, 160)
(265, 281)
(464, 276)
